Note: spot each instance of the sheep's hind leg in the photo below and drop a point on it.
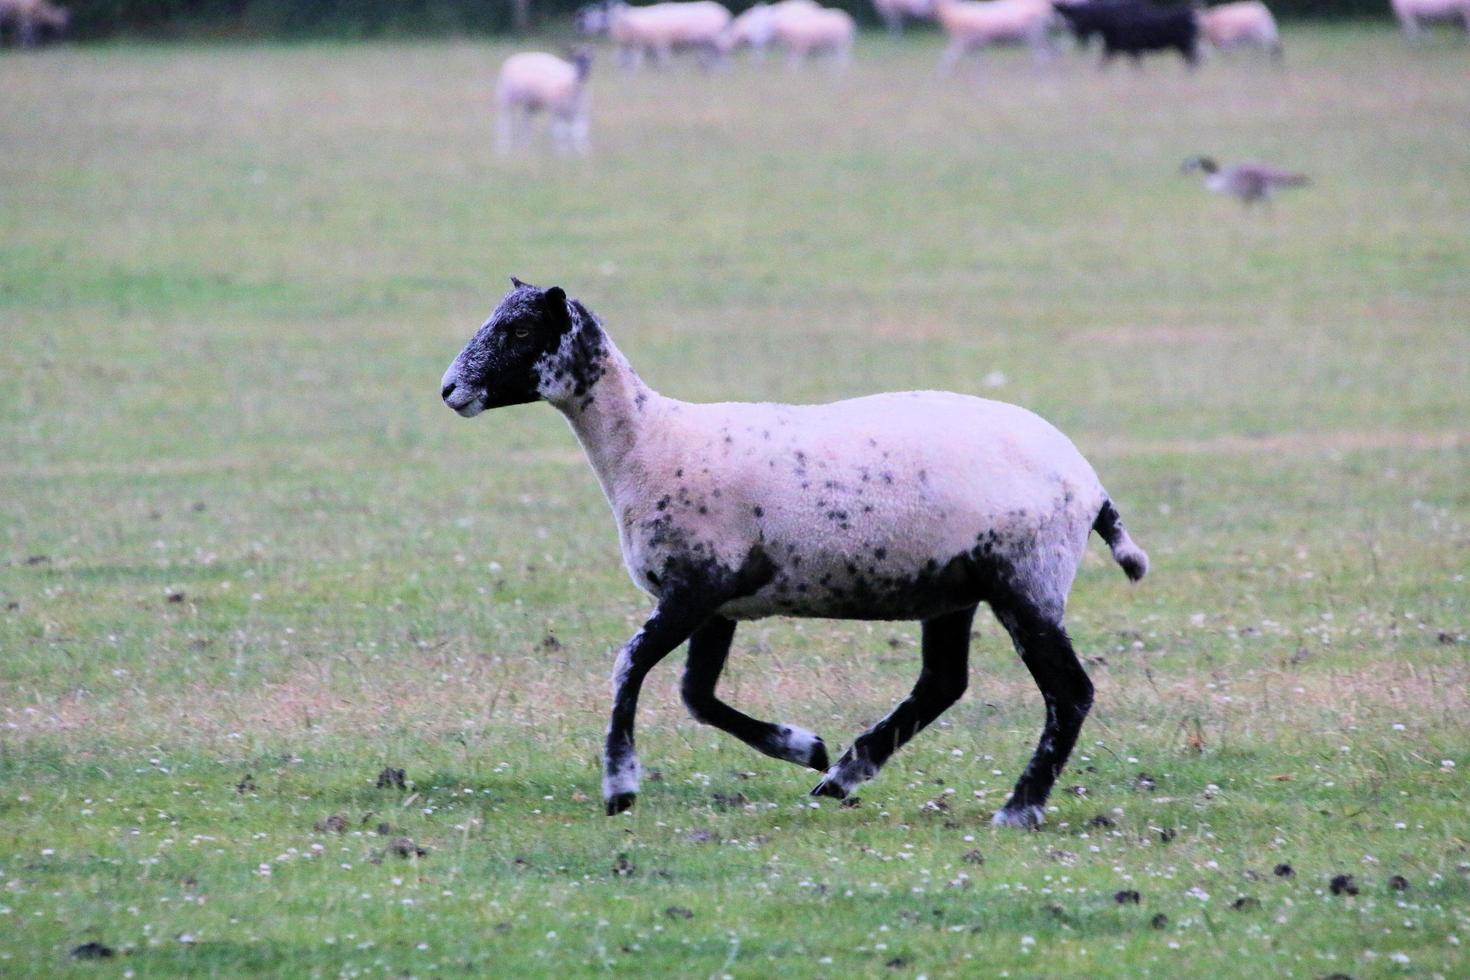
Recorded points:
(666, 629)
(708, 649)
(1047, 653)
(946, 653)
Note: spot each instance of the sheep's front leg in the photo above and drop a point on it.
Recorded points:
(1047, 653)
(946, 653)
(708, 649)
(665, 630)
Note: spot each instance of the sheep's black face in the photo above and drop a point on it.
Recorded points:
(510, 356)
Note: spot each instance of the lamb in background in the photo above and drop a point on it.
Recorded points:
(972, 25)
(1245, 23)
(805, 30)
(753, 28)
(1414, 14)
(912, 505)
(534, 81)
(659, 29)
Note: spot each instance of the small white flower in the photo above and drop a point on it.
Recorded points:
(1028, 940)
(1399, 957)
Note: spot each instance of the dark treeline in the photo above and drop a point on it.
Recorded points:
(405, 18)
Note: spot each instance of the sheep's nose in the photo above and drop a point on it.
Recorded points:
(448, 390)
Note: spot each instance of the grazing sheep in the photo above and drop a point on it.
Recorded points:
(534, 81)
(1414, 14)
(1247, 182)
(660, 28)
(1245, 22)
(913, 505)
(31, 18)
(805, 29)
(975, 24)
(1135, 28)
(892, 12)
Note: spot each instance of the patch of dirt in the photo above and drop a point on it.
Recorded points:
(1284, 871)
(391, 778)
(335, 824)
(404, 847)
(1160, 921)
(973, 856)
(246, 785)
(1399, 883)
(732, 801)
(1343, 885)
(678, 912)
(1127, 897)
(1246, 903)
(624, 868)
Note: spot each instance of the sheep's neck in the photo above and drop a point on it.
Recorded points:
(609, 418)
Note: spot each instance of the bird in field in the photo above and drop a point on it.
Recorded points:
(1249, 182)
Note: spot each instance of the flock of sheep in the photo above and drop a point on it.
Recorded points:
(803, 29)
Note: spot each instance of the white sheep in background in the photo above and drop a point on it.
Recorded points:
(30, 18)
(918, 505)
(805, 29)
(1240, 24)
(659, 29)
(892, 12)
(754, 28)
(534, 81)
(975, 24)
(1414, 14)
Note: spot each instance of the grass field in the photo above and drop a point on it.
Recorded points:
(248, 560)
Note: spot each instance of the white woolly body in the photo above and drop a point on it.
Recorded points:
(535, 81)
(1412, 12)
(850, 500)
(661, 27)
(805, 29)
(911, 505)
(1243, 22)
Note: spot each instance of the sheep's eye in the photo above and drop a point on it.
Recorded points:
(522, 333)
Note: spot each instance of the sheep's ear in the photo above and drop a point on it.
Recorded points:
(558, 316)
(515, 283)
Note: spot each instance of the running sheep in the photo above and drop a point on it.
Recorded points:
(975, 24)
(534, 81)
(916, 505)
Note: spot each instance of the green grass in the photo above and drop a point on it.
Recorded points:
(230, 279)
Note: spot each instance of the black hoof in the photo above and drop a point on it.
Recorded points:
(828, 787)
(818, 760)
(618, 803)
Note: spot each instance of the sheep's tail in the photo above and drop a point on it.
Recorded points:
(1129, 556)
